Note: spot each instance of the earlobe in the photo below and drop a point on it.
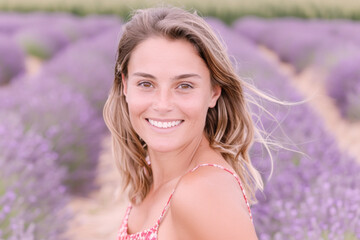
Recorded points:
(215, 96)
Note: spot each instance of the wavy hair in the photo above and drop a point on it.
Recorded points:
(229, 126)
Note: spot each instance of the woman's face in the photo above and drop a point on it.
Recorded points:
(168, 91)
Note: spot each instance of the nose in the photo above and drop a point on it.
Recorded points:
(163, 101)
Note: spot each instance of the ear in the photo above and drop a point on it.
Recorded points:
(123, 80)
(216, 92)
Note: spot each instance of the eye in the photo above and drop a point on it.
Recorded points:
(145, 84)
(185, 86)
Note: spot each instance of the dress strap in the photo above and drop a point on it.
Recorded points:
(124, 223)
(192, 170)
(127, 213)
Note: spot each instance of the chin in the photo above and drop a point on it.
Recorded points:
(162, 147)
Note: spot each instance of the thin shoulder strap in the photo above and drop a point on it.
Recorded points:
(126, 216)
(195, 168)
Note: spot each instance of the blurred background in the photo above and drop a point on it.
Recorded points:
(57, 176)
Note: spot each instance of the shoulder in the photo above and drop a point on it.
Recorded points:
(208, 204)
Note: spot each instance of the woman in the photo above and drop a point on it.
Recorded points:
(181, 131)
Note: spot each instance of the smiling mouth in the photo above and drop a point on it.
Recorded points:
(164, 124)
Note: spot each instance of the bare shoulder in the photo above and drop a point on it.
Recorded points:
(208, 204)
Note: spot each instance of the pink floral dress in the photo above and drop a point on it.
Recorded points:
(151, 233)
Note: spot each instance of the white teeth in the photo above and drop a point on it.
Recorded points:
(164, 124)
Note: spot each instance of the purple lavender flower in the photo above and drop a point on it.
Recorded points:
(12, 60)
(253, 28)
(65, 118)
(343, 85)
(333, 51)
(10, 22)
(314, 197)
(345, 29)
(75, 27)
(87, 66)
(299, 42)
(32, 197)
(94, 25)
(291, 206)
(42, 41)
(319, 43)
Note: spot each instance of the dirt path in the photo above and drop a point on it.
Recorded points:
(310, 83)
(32, 65)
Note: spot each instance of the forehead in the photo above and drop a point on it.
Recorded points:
(162, 54)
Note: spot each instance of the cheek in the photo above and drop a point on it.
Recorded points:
(136, 104)
(136, 109)
(195, 109)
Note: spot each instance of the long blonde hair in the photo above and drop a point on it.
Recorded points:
(229, 127)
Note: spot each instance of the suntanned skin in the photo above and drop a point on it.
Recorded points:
(167, 81)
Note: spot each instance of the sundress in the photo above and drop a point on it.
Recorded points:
(151, 233)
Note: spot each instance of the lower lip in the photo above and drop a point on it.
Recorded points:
(169, 129)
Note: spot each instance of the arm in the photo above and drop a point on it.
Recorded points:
(208, 204)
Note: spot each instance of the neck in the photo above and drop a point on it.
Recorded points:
(170, 166)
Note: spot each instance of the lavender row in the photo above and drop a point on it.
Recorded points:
(304, 43)
(62, 116)
(87, 66)
(64, 102)
(32, 196)
(12, 60)
(295, 203)
(43, 35)
(343, 85)
(327, 45)
(61, 105)
(67, 25)
(44, 41)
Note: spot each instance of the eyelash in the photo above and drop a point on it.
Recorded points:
(188, 86)
(141, 84)
(180, 86)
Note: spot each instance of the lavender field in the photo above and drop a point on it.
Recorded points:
(57, 178)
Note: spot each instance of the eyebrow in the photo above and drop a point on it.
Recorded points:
(181, 76)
